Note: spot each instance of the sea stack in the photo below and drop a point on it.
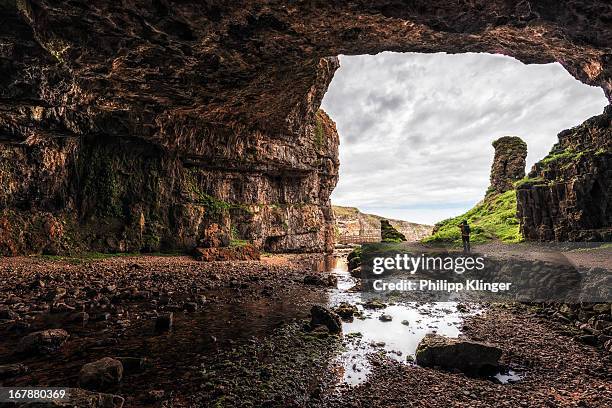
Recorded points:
(508, 163)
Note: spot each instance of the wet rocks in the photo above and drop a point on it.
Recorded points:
(45, 341)
(385, 318)
(346, 311)
(164, 322)
(190, 307)
(101, 374)
(322, 316)
(464, 355)
(374, 304)
(321, 280)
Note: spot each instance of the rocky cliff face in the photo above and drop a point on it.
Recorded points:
(508, 163)
(151, 123)
(352, 223)
(568, 194)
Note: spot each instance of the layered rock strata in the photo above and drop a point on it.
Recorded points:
(152, 124)
(567, 196)
(508, 163)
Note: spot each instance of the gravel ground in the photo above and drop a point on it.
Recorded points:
(558, 372)
(238, 340)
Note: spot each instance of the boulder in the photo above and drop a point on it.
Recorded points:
(321, 280)
(346, 311)
(101, 374)
(45, 341)
(246, 252)
(323, 316)
(164, 322)
(464, 355)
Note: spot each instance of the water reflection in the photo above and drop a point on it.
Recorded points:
(396, 338)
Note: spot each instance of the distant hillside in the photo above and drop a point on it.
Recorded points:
(352, 222)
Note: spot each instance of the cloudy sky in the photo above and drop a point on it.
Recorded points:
(416, 129)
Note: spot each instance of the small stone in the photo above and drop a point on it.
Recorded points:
(101, 374)
(190, 306)
(7, 314)
(155, 395)
(132, 364)
(45, 341)
(78, 317)
(99, 317)
(385, 318)
(164, 322)
(346, 311)
(588, 339)
(374, 304)
(601, 308)
(62, 308)
(60, 292)
(405, 322)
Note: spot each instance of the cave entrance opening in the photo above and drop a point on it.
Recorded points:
(416, 130)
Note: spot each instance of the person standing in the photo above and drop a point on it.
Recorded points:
(465, 235)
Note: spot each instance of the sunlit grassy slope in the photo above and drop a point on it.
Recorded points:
(494, 218)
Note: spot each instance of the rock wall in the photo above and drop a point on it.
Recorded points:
(568, 195)
(120, 194)
(508, 163)
(350, 222)
(181, 106)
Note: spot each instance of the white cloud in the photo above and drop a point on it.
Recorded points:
(416, 129)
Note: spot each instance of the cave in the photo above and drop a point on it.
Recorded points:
(152, 125)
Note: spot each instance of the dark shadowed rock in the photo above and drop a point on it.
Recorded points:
(321, 280)
(465, 355)
(45, 341)
(101, 374)
(389, 233)
(323, 316)
(132, 364)
(164, 322)
(567, 195)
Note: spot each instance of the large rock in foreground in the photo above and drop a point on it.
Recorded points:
(323, 316)
(465, 355)
(101, 374)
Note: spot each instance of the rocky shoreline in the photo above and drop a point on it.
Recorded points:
(153, 331)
